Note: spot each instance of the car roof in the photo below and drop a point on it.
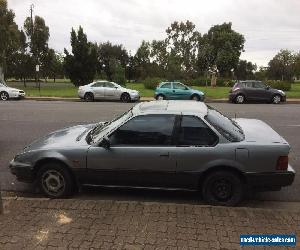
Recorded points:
(171, 107)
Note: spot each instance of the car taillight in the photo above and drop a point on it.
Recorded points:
(282, 163)
(235, 89)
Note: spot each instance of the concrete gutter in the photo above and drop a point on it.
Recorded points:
(143, 99)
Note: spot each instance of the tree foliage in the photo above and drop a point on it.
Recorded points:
(80, 66)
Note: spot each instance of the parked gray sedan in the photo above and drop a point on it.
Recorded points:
(161, 144)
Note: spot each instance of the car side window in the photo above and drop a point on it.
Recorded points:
(249, 85)
(194, 132)
(177, 85)
(98, 84)
(109, 85)
(166, 85)
(145, 130)
(259, 85)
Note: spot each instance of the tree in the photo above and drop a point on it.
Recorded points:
(142, 62)
(80, 66)
(9, 36)
(245, 70)
(281, 67)
(221, 46)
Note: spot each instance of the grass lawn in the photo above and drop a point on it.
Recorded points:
(66, 89)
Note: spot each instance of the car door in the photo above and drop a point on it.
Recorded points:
(262, 93)
(141, 154)
(248, 90)
(111, 91)
(180, 92)
(98, 90)
(196, 146)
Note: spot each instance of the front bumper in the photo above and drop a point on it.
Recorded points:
(23, 171)
(271, 180)
(17, 94)
(135, 97)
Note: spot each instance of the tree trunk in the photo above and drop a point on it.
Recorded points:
(1, 75)
(213, 81)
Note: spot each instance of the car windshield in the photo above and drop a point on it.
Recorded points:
(96, 133)
(224, 125)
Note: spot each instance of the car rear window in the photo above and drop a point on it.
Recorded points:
(224, 125)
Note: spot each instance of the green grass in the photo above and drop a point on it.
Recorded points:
(63, 88)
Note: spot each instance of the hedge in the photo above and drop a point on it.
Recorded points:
(286, 86)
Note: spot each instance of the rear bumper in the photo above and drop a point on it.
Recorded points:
(272, 180)
(23, 171)
(231, 97)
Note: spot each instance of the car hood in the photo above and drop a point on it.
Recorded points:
(11, 89)
(258, 131)
(127, 90)
(63, 138)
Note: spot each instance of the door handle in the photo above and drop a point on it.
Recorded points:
(164, 155)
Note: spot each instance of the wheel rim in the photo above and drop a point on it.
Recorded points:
(240, 99)
(3, 96)
(276, 99)
(160, 97)
(125, 98)
(222, 189)
(53, 182)
(195, 98)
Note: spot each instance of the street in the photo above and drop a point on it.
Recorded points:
(21, 122)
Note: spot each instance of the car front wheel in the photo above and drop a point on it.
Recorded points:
(4, 96)
(125, 97)
(195, 98)
(223, 188)
(55, 180)
(276, 99)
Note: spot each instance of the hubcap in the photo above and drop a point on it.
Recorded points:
(53, 182)
(222, 189)
(240, 99)
(3, 96)
(276, 99)
(160, 97)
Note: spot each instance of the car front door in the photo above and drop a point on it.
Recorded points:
(98, 90)
(141, 154)
(111, 91)
(262, 93)
(196, 146)
(180, 92)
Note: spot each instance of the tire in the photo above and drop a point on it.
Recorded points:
(4, 96)
(55, 180)
(160, 97)
(239, 99)
(223, 188)
(89, 97)
(125, 97)
(276, 99)
(195, 98)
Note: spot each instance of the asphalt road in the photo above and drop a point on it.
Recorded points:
(23, 121)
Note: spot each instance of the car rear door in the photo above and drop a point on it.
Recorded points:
(98, 90)
(197, 145)
(141, 154)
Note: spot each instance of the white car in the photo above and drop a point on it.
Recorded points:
(10, 93)
(104, 90)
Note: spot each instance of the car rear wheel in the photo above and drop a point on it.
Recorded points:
(89, 97)
(55, 181)
(239, 99)
(4, 96)
(125, 97)
(223, 188)
(160, 97)
(195, 98)
(276, 99)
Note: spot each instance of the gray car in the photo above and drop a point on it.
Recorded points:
(104, 90)
(161, 144)
(258, 91)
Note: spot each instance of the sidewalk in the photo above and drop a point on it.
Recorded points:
(100, 224)
(143, 99)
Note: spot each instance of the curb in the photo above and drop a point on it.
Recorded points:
(143, 99)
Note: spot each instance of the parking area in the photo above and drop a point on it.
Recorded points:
(23, 121)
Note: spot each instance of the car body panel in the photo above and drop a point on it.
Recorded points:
(175, 166)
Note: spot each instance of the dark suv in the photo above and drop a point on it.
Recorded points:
(255, 91)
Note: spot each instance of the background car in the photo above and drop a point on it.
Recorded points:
(177, 91)
(161, 144)
(255, 91)
(104, 90)
(10, 93)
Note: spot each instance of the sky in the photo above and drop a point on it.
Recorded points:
(268, 25)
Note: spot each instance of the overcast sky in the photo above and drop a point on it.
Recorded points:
(268, 25)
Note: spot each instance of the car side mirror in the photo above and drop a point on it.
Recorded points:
(105, 143)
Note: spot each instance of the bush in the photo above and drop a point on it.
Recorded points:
(286, 86)
(119, 75)
(152, 82)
